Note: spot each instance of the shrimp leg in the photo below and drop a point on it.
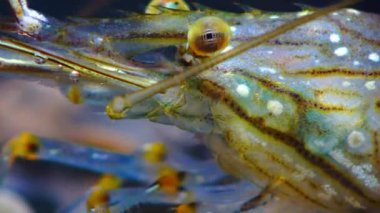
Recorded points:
(262, 198)
(29, 21)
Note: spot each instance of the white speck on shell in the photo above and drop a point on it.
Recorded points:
(341, 51)
(242, 90)
(353, 11)
(268, 70)
(346, 83)
(275, 107)
(355, 139)
(374, 57)
(370, 85)
(334, 38)
(274, 17)
(233, 29)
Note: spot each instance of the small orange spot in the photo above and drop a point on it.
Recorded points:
(24, 146)
(154, 152)
(74, 95)
(98, 199)
(170, 180)
(109, 182)
(186, 208)
(19, 12)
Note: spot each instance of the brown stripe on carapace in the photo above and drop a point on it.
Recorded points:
(301, 101)
(151, 35)
(296, 189)
(377, 105)
(8, 26)
(285, 181)
(357, 157)
(254, 202)
(354, 33)
(321, 72)
(331, 90)
(290, 169)
(376, 146)
(216, 92)
(277, 42)
(276, 159)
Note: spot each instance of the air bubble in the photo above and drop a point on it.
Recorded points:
(39, 60)
(74, 76)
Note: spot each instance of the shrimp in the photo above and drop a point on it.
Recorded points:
(288, 102)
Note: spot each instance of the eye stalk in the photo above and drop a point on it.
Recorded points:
(208, 36)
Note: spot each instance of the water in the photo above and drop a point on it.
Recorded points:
(64, 8)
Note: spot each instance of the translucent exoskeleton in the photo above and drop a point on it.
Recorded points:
(288, 103)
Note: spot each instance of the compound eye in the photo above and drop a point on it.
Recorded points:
(208, 36)
(171, 4)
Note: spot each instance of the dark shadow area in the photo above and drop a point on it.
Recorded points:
(61, 9)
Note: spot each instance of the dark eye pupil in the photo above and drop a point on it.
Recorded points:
(209, 36)
(176, 3)
(33, 148)
(212, 37)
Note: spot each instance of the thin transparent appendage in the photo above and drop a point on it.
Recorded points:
(207, 198)
(205, 183)
(131, 166)
(98, 160)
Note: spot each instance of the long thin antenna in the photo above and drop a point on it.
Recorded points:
(131, 99)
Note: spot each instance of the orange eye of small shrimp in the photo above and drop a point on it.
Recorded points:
(208, 36)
